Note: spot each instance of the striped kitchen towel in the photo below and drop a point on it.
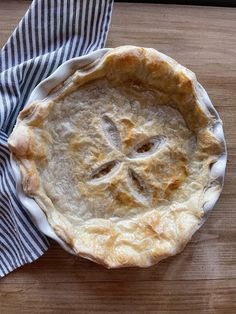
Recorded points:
(51, 32)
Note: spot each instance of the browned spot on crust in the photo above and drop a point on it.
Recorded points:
(75, 144)
(127, 122)
(126, 199)
(176, 182)
(129, 141)
(174, 185)
(208, 143)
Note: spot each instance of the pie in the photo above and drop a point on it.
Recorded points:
(118, 157)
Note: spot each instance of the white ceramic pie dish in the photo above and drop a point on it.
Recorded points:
(60, 75)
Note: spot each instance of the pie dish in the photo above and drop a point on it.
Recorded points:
(123, 157)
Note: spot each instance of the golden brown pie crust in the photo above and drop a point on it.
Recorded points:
(118, 157)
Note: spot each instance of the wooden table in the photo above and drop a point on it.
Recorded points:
(202, 279)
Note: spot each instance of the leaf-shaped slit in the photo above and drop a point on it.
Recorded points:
(137, 185)
(147, 147)
(104, 170)
(111, 132)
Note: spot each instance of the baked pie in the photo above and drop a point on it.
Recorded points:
(118, 157)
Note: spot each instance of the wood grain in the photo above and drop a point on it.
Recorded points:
(202, 279)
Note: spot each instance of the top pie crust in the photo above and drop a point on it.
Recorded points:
(118, 157)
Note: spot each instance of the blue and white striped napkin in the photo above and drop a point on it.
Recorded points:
(51, 32)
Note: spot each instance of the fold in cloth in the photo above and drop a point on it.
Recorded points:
(51, 32)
